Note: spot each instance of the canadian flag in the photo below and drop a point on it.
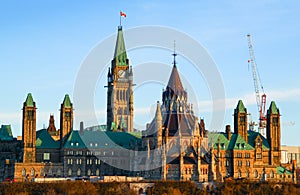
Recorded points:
(122, 14)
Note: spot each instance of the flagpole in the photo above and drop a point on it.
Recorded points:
(120, 18)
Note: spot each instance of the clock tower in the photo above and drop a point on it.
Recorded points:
(120, 92)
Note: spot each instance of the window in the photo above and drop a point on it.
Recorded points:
(70, 152)
(247, 155)
(255, 174)
(247, 174)
(97, 172)
(258, 155)
(58, 172)
(32, 172)
(239, 155)
(46, 156)
(70, 172)
(78, 172)
(248, 163)
(42, 173)
(239, 163)
(227, 163)
(77, 144)
(239, 173)
(272, 174)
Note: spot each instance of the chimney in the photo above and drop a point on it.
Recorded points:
(81, 127)
(228, 132)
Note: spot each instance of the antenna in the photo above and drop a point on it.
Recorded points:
(174, 54)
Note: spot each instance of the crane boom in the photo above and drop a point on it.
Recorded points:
(260, 100)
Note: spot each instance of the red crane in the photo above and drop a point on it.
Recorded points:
(260, 99)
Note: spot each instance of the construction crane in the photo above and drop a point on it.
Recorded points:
(260, 99)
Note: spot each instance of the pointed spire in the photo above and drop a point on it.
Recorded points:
(120, 55)
(273, 108)
(240, 107)
(29, 101)
(158, 112)
(175, 81)
(67, 102)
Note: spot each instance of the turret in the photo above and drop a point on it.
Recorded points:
(29, 130)
(66, 118)
(158, 125)
(273, 133)
(240, 121)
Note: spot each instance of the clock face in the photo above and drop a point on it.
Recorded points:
(121, 73)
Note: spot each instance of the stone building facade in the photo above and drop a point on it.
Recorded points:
(175, 146)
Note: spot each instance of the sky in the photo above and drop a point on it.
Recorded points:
(45, 43)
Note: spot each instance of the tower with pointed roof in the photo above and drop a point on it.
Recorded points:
(175, 133)
(29, 130)
(66, 118)
(273, 133)
(240, 120)
(120, 89)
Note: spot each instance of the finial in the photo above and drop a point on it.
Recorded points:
(174, 54)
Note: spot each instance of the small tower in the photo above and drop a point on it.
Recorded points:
(51, 128)
(273, 133)
(158, 125)
(240, 121)
(29, 130)
(66, 118)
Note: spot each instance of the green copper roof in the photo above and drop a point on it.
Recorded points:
(236, 141)
(120, 55)
(273, 108)
(67, 102)
(252, 135)
(6, 133)
(240, 107)
(74, 141)
(29, 100)
(102, 139)
(44, 140)
(282, 170)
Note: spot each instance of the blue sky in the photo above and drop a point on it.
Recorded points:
(43, 44)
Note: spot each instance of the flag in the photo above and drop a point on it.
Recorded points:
(122, 14)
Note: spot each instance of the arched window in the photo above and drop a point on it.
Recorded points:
(89, 172)
(23, 172)
(32, 172)
(255, 174)
(239, 173)
(70, 172)
(78, 172)
(42, 173)
(97, 172)
(247, 174)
